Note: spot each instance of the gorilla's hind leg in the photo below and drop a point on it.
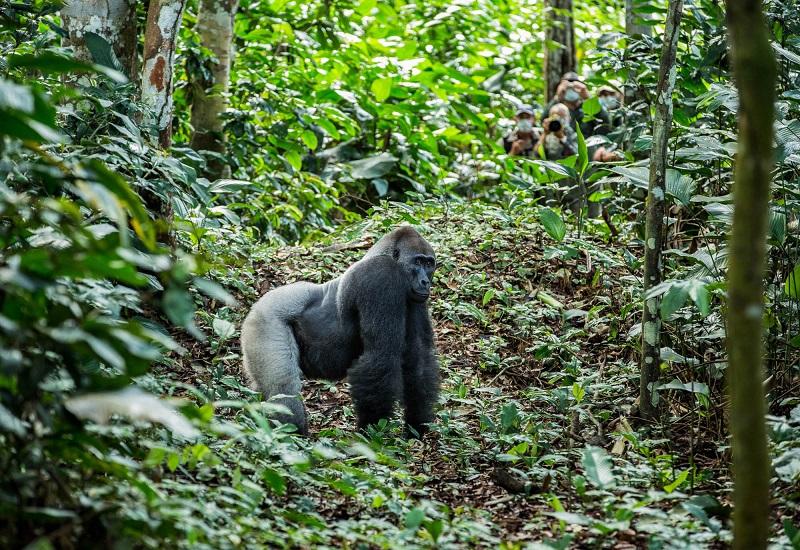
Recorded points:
(271, 354)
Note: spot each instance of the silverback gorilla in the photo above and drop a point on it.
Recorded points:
(371, 324)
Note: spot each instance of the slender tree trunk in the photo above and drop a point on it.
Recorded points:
(163, 22)
(632, 25)
(559, 44)
(114, 20)
(215, 27)
(755, 73)
(654, 230)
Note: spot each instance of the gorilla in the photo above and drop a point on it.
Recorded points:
(371, 325)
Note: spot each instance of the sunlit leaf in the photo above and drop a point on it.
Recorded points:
(131, 403)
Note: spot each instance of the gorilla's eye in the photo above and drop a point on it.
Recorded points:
(396, 254)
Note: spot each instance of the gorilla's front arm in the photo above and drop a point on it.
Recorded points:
(376, 287)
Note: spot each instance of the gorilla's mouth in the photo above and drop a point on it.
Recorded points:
(421, 295)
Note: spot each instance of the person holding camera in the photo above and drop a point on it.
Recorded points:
(572, 92)
(558, 139)
(520, 141)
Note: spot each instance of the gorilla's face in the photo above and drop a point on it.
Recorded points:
(420, 268)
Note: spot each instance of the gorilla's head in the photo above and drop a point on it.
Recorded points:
(416, 256)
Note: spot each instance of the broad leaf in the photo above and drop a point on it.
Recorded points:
(381, 88)
(132, 403)
(597, 465)
(372, 167)
(552, 223)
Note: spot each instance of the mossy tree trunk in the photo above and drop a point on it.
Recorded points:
(163, 21)
(114, 20)
(559, 44)
(635, 30)
(656, 208)
(755, 73)
(633, 25)
(209, 101)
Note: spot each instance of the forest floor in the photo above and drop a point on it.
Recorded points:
(536, 440)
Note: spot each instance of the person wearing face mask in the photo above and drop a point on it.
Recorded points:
(520, 141)
(611, 101)
(572, 92)
(558, 139)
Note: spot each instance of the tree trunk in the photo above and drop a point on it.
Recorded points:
(632, 25)
(634, 30)
(755, 73)
(654, 230)
(163, 22)
(559, 44)
(114, 20)
(215, 27)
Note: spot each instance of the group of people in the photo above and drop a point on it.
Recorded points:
(557, 137)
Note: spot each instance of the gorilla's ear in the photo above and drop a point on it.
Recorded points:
(396, 254)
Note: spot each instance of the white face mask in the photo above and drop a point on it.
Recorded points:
(609, 102)
(524, 125)
(571, 95)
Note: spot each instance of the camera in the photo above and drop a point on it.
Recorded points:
(554, 125)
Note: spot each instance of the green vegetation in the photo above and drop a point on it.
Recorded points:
(126, 270)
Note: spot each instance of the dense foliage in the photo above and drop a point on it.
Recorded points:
(120, 264)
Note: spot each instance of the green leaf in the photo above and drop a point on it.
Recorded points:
(116, 184)
(701, 297)
(679, 186)
(381, 186)
(597, 465)
(691, 387)
(792, 285)
(274, 480)
(16, 97)
(777, 226)
(365, 7)
(680, 480)
(578, 392)
(372, 167)
(487, 296)
(381, 88)
(792, 533)
(173, 461)
(590, 108)
(223, 328)
(552, 223)
(214, 290)
(310, 139)
(10, 423)
(179, 307)
(435, 528)
(673, 299)
(583, 153)
(294, 159)
(414, 518)
(51, 63)
(102, 51)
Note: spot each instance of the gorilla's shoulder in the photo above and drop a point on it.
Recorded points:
(375, 276)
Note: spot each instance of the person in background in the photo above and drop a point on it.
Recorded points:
(611, 101)
(558, 139)
(521, 140)
(572, 92)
